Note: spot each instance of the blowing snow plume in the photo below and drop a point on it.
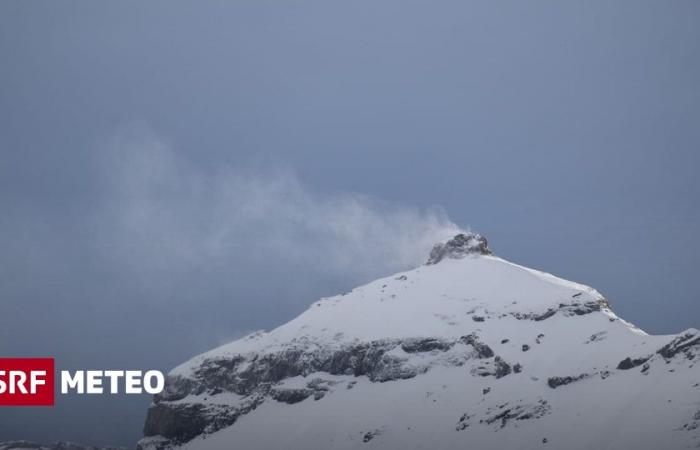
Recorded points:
(168, 214)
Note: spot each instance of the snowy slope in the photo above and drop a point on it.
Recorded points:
(468, 350)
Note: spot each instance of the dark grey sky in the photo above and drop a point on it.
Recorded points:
(176, 174)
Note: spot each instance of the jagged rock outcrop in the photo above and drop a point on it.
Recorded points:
(258, 377)
(629, 363)
(506, 413)
(555, 382)
(460, 246)
(688, 344)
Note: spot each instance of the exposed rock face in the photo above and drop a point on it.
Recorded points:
(482, 350)
(459, 247)
(567, 309)
(258, 378)
(688, 344)
(506, 413)
(479, 347)
(555, 382)
(629, 363)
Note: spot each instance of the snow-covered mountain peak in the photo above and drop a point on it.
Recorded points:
(466, 350)
(460, 246)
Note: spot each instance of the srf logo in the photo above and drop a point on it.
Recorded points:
(26, 382)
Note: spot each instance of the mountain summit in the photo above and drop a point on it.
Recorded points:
(466, 351)
(459, 247)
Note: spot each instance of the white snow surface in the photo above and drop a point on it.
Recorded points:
(431, 301)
